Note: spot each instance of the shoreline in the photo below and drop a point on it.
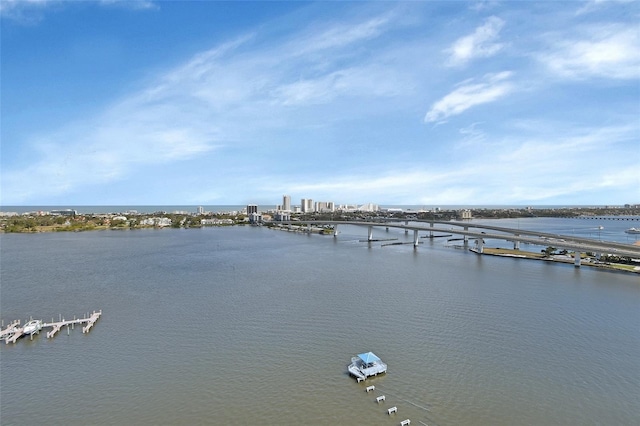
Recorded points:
(85, 226)
(519, 254)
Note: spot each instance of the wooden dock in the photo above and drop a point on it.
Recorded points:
(13, 331)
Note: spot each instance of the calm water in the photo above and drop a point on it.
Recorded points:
(250, 326)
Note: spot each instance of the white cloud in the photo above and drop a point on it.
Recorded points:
(481, 44)
(241, 113)
(130, 4)
(338, 35)
(491, 88)
(365, 80)
(24, 11)
(30, 12)
(596, 5)
(472, 134)
(233, 93)
(482, 5)
(560, 163)
(611, 51)
(103, 151)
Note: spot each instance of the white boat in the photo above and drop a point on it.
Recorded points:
(366, 365)
(33, 326)
(633, 231)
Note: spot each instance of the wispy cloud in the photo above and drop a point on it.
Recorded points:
(338, 35)
(29, 12)
(472, 134)
(518, 169)
(530, 163)
(26, 12)
(482, 43)
(608, 51)
(130, 4)
(104, 150)
(469, 94)
(596, 5)
(254, 114)
(227, 97)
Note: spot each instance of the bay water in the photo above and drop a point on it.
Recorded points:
(251, 326)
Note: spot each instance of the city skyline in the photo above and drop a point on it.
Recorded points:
(401, 103)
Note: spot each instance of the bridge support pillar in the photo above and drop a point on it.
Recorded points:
(576, 259)
(466, 237)
(516, 244)
(431, 231)
(308, 228)
(335, 230)
(406, 223)
(480, 243)
(415, 238)
(370, 236)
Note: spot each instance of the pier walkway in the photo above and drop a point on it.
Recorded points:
(14, 331)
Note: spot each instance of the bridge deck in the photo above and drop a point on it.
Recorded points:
(508, 234)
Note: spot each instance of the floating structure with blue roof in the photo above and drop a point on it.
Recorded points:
(366, 365)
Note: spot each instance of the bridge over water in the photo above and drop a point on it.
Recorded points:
(475, 232)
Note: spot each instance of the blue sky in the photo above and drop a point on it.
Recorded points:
(421, 103)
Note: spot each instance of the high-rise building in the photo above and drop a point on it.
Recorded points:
(286, 203)
(306, 205)
(325, 206)
(200, 210)
(252, 208)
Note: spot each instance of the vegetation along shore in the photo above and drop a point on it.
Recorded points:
(70, 221)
